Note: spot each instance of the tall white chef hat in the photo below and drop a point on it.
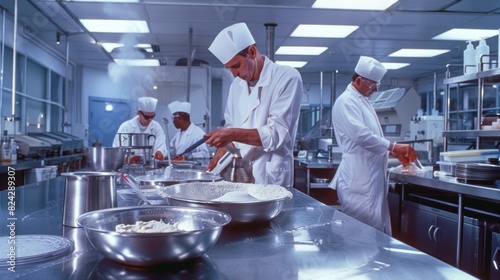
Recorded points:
(370, 68)
(178, 106)
(230, 41)
(147, 104)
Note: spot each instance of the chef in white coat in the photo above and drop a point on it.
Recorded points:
(361, 178)
(262, 109)
(144, 123)
(187, 133)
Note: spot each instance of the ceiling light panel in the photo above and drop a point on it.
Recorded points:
(418, 52)
(115, 26)
(394, 65)
(466, 34)
(354, 5)
(294, 64)
(323, 31)
(300, 50)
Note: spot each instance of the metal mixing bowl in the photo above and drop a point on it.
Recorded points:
(175, 177)
(201, 230)
(202, 195)
(105, 158)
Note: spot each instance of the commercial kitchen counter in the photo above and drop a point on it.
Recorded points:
(308, 240)
(462, 191)
(449, 184)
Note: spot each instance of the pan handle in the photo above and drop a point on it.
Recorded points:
(194, 146)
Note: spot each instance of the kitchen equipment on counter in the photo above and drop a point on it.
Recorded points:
(244, 202)
(395, 107)
(87, 191)
(484, 173)
(199, 230)
(136, 140)
(66, 146)
(75, 141)
(232, 167)
(105, 158)
(56, 144)
(30, 147)
(470, 155)
(176, 176)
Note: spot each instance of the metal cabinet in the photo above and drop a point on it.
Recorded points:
(495, 256)
(434, 231)
(429, 230)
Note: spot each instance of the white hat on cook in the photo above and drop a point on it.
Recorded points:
(230, 41)
(370, 68)
(178, 106)
(147, 104)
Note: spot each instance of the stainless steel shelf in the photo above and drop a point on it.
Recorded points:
(472, 133)
(489, 76)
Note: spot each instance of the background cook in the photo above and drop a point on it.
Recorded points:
(187, 133)
(361, 178)
(144, 123)
(262, 109)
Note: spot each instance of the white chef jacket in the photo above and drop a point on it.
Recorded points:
(272, 107)
(361, 179)
(183, 139)
(154, 128)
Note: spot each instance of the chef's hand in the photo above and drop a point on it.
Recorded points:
(159, 155)
(213, 162)
(220, 137)
(405, 153)
(178, 158)
(134, 159)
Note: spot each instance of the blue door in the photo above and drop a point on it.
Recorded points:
(105, 116)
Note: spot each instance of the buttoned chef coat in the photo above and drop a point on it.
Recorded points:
(272, 106)
(361, 178)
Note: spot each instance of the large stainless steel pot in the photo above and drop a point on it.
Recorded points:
(87, 191)
(105, 158)
(136, 139)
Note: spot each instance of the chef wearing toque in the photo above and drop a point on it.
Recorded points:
(144, 123)
(187, 133)
(262, 109)
(361, 178)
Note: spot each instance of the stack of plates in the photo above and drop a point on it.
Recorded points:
(33, 248)
(481, 172)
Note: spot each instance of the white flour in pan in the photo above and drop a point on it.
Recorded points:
(148, 227)
(244, 192)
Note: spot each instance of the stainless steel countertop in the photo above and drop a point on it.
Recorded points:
(449, 184)
(308, 240)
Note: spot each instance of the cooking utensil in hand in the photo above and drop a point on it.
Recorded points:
(135, 188)
(192, 147)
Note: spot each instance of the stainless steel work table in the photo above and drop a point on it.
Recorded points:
(316, 163)
(308, 240)
(449, 184)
